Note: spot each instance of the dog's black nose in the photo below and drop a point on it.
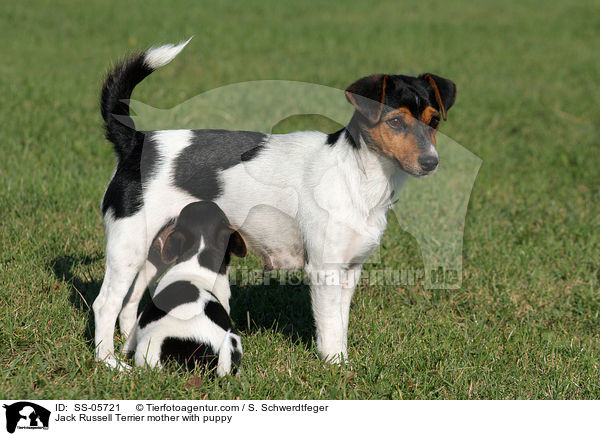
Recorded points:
(428, 162)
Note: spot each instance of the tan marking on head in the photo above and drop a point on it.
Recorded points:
(402, 113)
(399, 145)
(428, 114)
(426, 117)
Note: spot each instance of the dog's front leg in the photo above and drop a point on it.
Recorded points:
(326, 296)
(349, 282)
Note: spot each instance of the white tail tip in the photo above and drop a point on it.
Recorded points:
(156, 57)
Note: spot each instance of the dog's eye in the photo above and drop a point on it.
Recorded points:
(394, 123)
(434, 122)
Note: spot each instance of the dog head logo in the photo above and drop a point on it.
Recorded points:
(26, 415)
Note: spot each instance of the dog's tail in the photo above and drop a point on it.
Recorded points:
(230, 354)
(117, 89)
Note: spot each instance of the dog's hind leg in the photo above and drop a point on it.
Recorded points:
(128, 313)
(125, 256)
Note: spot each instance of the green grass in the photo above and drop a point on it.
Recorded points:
(525, 322)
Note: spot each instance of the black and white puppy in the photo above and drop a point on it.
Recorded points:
(185, 322)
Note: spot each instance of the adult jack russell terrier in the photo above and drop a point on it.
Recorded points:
(343, 185)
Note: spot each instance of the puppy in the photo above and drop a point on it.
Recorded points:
(185, 322)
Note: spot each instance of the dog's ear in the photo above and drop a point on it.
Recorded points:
(237, 244)
(442, 91)
(367, 95)
(173, 246)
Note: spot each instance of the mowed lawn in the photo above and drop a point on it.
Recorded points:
(526, 321)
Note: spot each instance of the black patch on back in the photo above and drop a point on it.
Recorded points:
(252, 153)
(188, 353)
(173, 295)
(217, 314)
(124, 192)
(211, 151)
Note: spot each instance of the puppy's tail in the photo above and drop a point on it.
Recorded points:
(230, 354)
(117, 89)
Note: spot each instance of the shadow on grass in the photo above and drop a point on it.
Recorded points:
(283, 309)
(84, 288)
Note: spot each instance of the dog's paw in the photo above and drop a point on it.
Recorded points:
(340, 359)
(116, 364)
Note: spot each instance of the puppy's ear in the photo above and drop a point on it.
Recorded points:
(367, 95)
(172, 247)
(442, 91)
(237, 244)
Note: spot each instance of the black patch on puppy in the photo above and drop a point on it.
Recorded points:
(211, 151)
(154, 252)
(124, 193)
(215, 260)
(234, 342)
(205, 220)
(173, 295)
(236, 360)
(217, 314)
(188, 353)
